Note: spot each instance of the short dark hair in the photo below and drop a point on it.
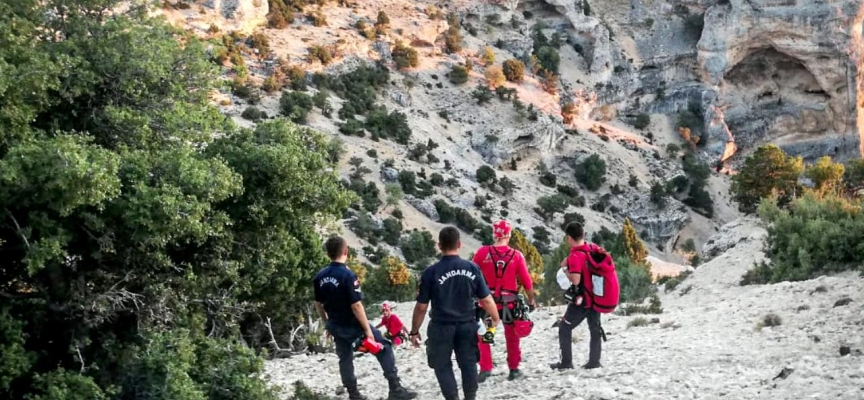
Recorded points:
(335, 247)
(448, 238)
(575, 231)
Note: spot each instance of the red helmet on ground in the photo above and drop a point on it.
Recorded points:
(522, 328)
(501, 229)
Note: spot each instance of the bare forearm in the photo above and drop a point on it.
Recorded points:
(360, 314)
(575, 279)
(321, 313)
(419, 316)
(490, 308)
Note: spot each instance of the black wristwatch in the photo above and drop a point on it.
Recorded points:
(413, 334)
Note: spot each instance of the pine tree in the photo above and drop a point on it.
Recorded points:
(532, 258)
(636, 250)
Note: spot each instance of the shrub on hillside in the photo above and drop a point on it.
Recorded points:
(404, 56)
(482, 94)
(485, 175)
(488, 56)
(458, 75)
(295, 106)
(549, 59)
(532, 258)
(642, 121)
(392, 125)
(548, 206)
(417, 246)
(494, 76)
(391, 231)
(391, 281)
(816, 235)
(591, 172)
(514, 70)
(253, 114)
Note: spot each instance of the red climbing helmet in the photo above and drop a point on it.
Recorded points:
(522, 327)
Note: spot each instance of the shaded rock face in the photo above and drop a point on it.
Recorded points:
(656, 225)
(248, 11)
(782, 71)
(424, 206)
(730, 235)
(783, 74)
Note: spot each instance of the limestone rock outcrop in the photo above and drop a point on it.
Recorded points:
(247, 11)
(783, 73)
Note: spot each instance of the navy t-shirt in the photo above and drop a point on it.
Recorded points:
(337, 288)
(453, 285)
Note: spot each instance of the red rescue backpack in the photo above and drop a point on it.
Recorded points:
(601, 280)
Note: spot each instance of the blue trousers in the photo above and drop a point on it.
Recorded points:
(344, 337)
(443, 341)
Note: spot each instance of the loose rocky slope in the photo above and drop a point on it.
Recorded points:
(706, 345)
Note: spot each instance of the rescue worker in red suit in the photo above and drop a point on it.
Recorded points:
(504, 269)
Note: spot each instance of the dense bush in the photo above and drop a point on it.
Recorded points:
(391, 231)
(488, 56)
(446, 214)
(494, 76)
(368, 193)
(514, 70)
(458, 75)
(324, 54)
(816, 235)
(658, 194)
(295, 106)
(549, 59)
(572, 194)
(404, 56)
(392, 125)
(642, 121)
(827, 176)
(253, 114)
(591, 172)
(548, 206)
(408, 181)
(768, 170)
(151, 235)
(485, 175)
(390, 281)
(573, 217)
(418, 246)
(280, 14)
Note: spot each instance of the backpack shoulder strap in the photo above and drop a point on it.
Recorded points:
(499, 278)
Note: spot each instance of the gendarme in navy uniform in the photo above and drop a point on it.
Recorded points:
(453, 287)
(338, 300)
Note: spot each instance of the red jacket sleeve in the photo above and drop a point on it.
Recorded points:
(523, 273)
(479, 256)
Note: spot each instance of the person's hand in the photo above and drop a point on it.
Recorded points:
(370, 336)
(415, 339)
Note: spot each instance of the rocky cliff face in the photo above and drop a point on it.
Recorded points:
(782, 71)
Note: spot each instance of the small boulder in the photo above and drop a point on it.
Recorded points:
(389, 174)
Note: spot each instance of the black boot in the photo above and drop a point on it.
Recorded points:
(398, 392)
(354, 394)
(560, 366)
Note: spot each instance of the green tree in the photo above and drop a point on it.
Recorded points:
(642, 122)
(658, 194)
(485, 175)
(591, 172)
(853, 178)
(635, 248)
(768, 170)
(144, 234)
(418, 246)
(506, 185)
(532, 258)
(514, 70)
(392, 231)
(548, 206)
(295, 106)
(826, 175)
(549, 58)
(394, 194)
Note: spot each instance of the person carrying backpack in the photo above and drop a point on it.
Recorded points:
(594, 290)
(504, 269)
